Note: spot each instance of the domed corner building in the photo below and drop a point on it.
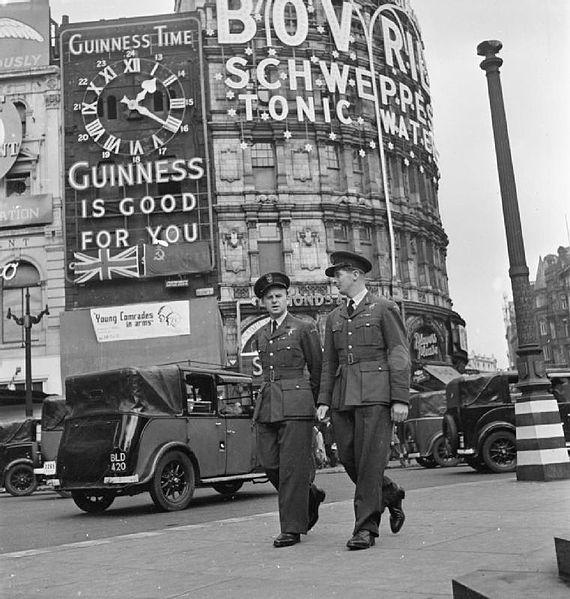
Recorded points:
(320, 125)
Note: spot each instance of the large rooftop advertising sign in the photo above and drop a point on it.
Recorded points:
(24, 34)
(137, 199)
(359, 56)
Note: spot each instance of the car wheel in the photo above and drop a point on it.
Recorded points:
(20, 480)
(173, 483)
(500, 451)
(228, 488)
(427, 462)
(93, 502)
(442, 453)
(450, 432)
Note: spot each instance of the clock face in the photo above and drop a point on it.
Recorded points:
(133, 106)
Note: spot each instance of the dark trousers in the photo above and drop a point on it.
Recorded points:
(284, 450)
(363, 437)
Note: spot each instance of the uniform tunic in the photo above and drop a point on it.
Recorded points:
(291, 358)
(366, 368)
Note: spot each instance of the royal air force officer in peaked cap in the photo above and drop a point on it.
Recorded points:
(291, 357)
(365, 383)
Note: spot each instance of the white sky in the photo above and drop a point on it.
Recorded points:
(536, 88)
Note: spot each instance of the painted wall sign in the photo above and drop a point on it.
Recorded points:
(141, 321)
(21, 211)
(24, 34)
(10, 135)
(326, 87)
(425, 344)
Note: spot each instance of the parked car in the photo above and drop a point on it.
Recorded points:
(422, 431)
(162, 430)
(18, 447)
(479, 422)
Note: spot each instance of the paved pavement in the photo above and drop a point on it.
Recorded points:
(450, 531)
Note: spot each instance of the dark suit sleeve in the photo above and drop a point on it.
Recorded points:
(394, 333)
(311, 345)
(330, 365)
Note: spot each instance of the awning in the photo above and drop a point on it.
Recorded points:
(442, 373)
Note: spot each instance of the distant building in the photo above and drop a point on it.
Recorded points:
(481, 363)
(551, 293)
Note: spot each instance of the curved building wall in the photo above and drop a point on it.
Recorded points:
(306, 162)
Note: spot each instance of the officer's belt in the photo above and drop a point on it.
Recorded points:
(351, 358)
(283, 373)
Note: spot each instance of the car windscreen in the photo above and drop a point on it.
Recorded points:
(54, 411)
(151, 391)
(18, 431)
(430, 404)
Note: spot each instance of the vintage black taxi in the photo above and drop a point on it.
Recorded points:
(479, 422)
(162, 429)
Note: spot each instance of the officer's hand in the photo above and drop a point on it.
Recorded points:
(399, 412)
(322, 412)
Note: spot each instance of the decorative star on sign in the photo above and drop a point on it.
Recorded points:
(412, 154)
(351, 82)
(232, 112)
(287, 134)
(335, 54)
(243, 145)
(272, 51)
(210, 32)
(372, 144)
(406, 162)
(351, 39)
(397, 100)
(257, 16)
(264, 116)
(248, 51)
(310, 8)
(308, 148)
(421, 168)
(283, 76)
(218, 76)
(319, 82)
(390, 145)
(362, 153)
(394, 72)
(332, 135)
(320, 29)
(352, 56)
(230, 94)
(314, 59)
(360, 120)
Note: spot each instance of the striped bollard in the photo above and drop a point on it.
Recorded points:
(541, 447)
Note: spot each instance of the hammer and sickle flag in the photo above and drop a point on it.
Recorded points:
(176, 259)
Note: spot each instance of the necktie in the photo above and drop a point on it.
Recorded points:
(350, 307)
(273, 326)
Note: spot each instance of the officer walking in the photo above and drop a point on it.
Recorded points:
(365, 382)
(291, 357)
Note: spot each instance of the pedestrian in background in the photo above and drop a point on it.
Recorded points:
(291, 357)
(365, 382)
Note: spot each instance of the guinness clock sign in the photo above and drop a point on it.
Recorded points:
(137, 185)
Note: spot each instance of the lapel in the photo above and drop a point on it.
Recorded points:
(285, 325)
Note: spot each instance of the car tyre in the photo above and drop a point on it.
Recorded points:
(442, 453)
(173, 482)
(427, 461)
(20, 480)
(93, 502)
(228, 488)
(500, 451)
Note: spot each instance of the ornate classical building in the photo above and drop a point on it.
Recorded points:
(31, 239)
(320, 129)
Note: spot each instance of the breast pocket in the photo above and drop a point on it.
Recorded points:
(367, 332)
(297, 399)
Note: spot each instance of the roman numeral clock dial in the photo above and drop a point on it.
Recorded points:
(134, 106)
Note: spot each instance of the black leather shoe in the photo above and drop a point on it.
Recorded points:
(286, 539)
(363, 539)
(397, 516)
(315, 500)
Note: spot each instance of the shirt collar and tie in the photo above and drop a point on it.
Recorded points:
(277, 322)
(355, 301)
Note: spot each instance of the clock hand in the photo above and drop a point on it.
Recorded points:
(146, 112)
(148, 86)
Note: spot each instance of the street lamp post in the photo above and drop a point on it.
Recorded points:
(541, 451)
(27, 321)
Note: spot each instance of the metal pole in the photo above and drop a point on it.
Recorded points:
(238, 333)
(541, 451)
(28, 354)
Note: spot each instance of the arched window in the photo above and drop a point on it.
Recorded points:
(112, 108)
(15, 300)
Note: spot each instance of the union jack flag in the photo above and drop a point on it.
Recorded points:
(105, 267)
